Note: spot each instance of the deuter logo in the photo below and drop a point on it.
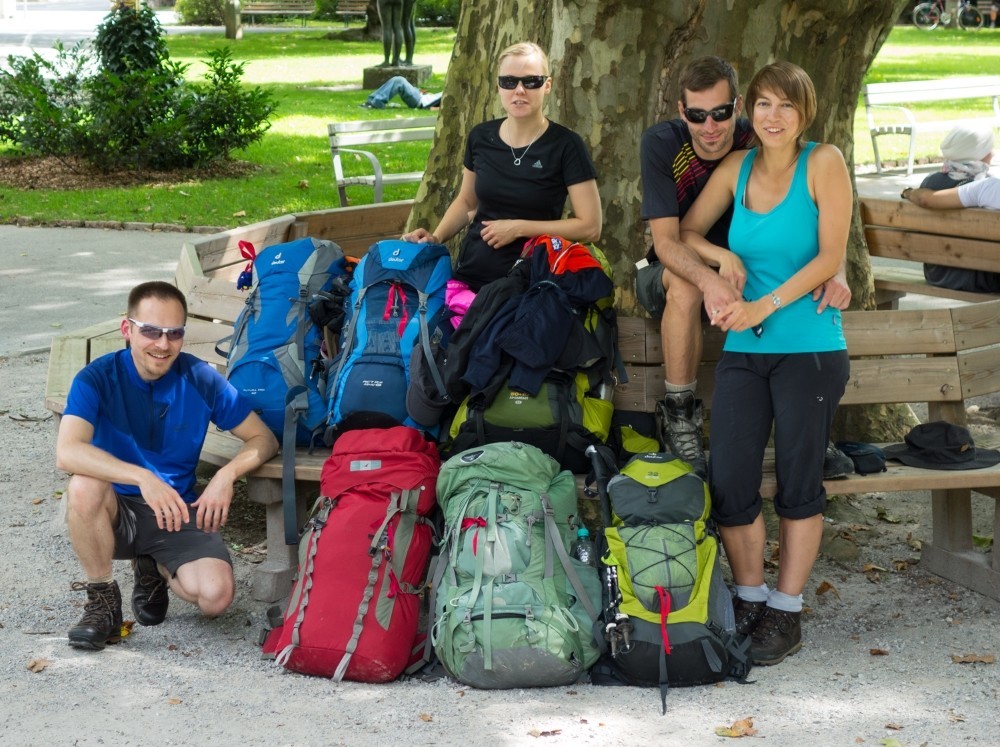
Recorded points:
(518, 398)
(277, 260)
(395, 257)
(376, 383)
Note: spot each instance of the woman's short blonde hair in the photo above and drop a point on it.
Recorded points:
(525, 49)
(790, 81)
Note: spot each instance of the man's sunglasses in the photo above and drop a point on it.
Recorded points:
(509, 82)
(719, 114)
(152, 332)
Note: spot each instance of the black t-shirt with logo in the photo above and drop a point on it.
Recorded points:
(673, 175)
(534, 190)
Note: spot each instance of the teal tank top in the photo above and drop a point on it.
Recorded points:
(774, 246)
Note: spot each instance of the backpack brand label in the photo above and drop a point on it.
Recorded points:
(366, 465)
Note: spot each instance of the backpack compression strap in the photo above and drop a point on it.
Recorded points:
(296, 403)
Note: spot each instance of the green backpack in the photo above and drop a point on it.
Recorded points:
(511, 608)
(670, 617)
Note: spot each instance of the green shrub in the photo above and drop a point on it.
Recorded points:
(135, 113)
(438, 12)
(129, 39)
(200, 12)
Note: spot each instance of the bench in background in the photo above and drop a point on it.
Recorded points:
(348, 9)
(304, 8)
(897, 229)
(884, 97)
(374, 132)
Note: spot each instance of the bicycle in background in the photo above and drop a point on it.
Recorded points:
(929, 16)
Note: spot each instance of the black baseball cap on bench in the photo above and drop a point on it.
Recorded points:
(941, 445)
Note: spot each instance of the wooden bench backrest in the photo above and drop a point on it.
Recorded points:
(375, 131)
(351, 7)
(937, 355)
(898, 229)
(932, 90)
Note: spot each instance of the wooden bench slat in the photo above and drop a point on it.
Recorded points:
(972, 254)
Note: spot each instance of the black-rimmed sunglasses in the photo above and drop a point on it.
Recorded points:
(719, 113)
(152, 332)
(509, 82)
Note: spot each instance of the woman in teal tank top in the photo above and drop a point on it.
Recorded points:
(784, 364)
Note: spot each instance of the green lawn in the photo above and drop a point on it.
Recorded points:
(307, 71)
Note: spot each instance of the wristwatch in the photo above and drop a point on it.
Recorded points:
(776, 301)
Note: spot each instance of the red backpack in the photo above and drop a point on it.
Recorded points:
(354, 609)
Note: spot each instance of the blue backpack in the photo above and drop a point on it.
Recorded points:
(395, 306)
(274, 358)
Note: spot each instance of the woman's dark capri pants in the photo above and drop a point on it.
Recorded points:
(799, 393)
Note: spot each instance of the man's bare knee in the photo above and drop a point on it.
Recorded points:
(88, 497)
(683, 296)
(215, 599)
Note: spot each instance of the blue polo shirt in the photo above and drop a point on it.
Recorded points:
(158, 425)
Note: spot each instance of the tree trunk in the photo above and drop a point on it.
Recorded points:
(615, 66)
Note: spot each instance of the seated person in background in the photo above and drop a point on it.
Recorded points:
(412, 96)
(963, 182)
(518, 172)
(133, 429)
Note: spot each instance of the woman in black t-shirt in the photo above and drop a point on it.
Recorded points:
(518, 172)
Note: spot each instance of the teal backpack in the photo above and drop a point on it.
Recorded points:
(511, 607)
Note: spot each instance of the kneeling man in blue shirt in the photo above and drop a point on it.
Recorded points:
(131, 434)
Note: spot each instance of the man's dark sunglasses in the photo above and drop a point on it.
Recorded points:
(509, 82)
(719, 114)
(152, 332)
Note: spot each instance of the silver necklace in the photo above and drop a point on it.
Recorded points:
(517, 158)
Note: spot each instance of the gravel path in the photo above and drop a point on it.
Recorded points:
(877, 663)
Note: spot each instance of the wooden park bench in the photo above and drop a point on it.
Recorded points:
(940, 357)
(374, 132)
(303, 8)
(899, 230)
(880, 98)
(348, 9)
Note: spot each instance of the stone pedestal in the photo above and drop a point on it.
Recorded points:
(376, 76)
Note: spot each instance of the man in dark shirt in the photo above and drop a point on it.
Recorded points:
(677, 158)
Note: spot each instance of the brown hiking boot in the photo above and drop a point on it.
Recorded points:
(149, 595)
(101, 623)
(748, 615)
(778, 634)
(681, 424)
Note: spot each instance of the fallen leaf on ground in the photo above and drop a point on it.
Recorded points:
(973, 659)
(741, 728)
(982, 542)
(182, 192)
(885, 516)
(878, 652)
(955, 717)
(174, 701)
(901, 565)
(426, 717)
(37, 665)
(873, 567)
(303, 184)
(825, 587)
(894, 727)
(890, 742)
(240, 214)
(914, 542)
(37, 501)
(547, 733)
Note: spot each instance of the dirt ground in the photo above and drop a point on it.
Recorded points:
(880, 666)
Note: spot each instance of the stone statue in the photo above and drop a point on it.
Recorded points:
(398, 28)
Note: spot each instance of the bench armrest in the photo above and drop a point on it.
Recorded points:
(907, 114)
(338, 171)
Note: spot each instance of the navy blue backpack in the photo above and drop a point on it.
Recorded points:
(396, 304)
(274, 359)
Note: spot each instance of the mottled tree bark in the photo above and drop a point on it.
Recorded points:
(615, 67)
